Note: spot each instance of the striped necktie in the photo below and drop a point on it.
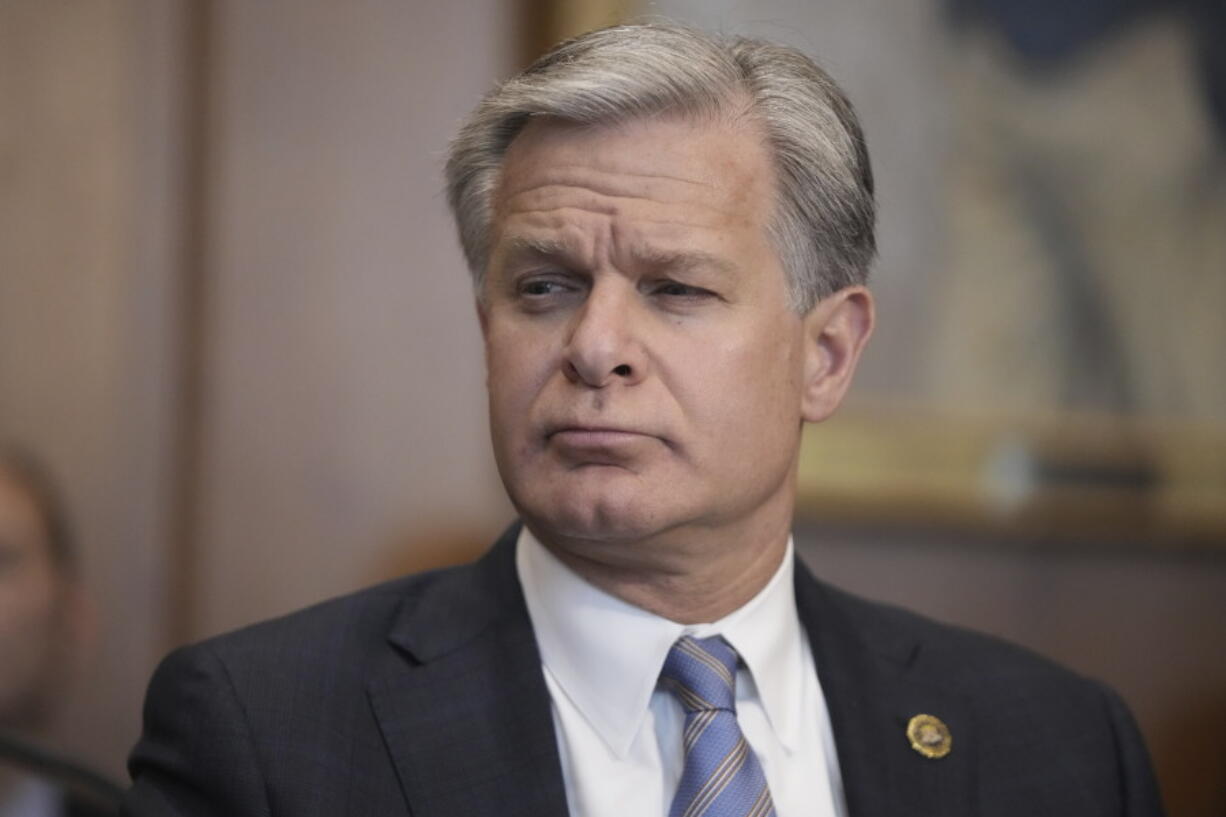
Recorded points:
(722, 776)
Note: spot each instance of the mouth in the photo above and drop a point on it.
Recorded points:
(594, 435)
(600, 443)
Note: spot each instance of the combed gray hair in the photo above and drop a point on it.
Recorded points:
(823, 225)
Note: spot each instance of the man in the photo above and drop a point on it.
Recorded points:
(42, 623)
(669, 235)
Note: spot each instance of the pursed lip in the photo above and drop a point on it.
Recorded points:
(598, 445)
(595, 435)
(596, 430)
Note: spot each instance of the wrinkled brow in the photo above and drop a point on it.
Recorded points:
(678, 261)
(521, 249)
(522, 245)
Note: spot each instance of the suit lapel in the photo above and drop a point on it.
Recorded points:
(461, 700)
(465, 713)
(872, 691)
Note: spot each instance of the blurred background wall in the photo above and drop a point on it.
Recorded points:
(232, 317)
(234, 320)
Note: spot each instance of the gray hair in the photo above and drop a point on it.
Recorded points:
(823, 224)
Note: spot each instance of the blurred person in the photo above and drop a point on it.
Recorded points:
(669, 235)
(42, 626)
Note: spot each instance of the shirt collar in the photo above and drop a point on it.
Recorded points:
(606, 655)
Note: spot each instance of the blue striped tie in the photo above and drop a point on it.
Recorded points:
(722, 776)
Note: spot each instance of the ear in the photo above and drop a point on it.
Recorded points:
(836, 330)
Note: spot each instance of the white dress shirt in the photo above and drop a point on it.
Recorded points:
(619, 737)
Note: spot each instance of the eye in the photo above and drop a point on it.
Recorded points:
(539, 287)
(679, 291)
(541, 291)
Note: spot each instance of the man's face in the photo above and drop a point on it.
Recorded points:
(33, 611)
(644, 366)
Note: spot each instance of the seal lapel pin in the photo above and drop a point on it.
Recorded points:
(929, 736)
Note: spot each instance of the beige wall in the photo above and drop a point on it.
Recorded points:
(343, 382)
(85, 294)
(339, 367)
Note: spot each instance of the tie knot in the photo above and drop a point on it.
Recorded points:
(701, 672)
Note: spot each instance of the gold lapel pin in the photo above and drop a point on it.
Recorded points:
(929, 736)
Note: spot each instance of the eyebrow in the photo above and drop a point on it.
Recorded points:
(659, 260)
(682, 260)
(533, 245)
(521, 248)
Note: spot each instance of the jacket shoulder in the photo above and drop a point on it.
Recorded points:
(334, 636)
(239, 720)
(962, 658)
(1023, 709)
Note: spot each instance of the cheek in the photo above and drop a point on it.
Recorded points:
(518, 368)
(745, 386)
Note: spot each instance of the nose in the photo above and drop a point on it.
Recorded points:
(605, 346)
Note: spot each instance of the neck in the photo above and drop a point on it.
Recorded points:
(690, 577)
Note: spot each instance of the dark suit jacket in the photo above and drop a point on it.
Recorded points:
(425, 697)
(79, 807)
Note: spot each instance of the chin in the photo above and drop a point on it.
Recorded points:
(591, 518)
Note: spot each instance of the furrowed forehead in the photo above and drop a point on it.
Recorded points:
(641, 255)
